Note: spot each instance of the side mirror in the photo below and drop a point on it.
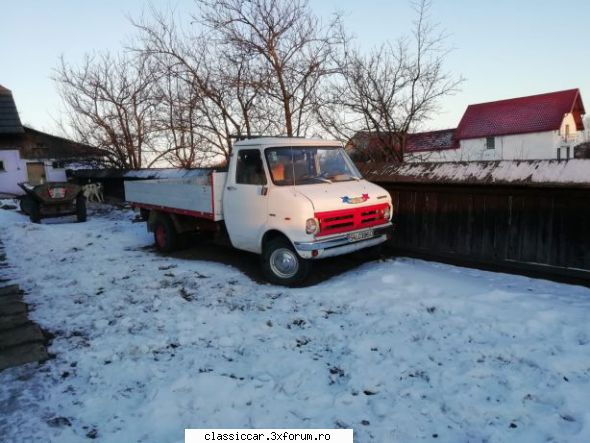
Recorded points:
(264, 190)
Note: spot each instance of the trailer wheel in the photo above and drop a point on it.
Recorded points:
(80, 208)
(282, 265)
(165, 234)
(24, 204)
(35, 211)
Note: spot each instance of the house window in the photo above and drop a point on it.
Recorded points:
(2, 165)
(490, 143)
(249, 170)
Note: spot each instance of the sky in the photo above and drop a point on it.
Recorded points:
(502, 48)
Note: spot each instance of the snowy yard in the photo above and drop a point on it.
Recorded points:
(402, 350)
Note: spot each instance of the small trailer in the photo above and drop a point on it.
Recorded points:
(53, 200)
(290, 200)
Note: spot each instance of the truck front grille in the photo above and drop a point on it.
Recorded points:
(345, 220)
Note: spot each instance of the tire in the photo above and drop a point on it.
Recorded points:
(24, 205)
(35, 214)
(81, 208)
(282, 265)
(165, 235)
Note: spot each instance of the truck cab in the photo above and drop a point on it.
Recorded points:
(295, 200)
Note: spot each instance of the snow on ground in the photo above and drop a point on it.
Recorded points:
(402, 350)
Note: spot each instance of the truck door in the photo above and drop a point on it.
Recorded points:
(244, 205)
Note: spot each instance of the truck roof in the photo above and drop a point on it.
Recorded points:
(286, 141)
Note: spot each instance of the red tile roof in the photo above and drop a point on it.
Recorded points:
(417, 142)
(431, 141)
(535, 113)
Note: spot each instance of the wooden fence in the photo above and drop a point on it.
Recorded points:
(540, 229)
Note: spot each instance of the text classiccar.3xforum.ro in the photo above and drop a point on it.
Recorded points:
(292, 435)
(261, 436)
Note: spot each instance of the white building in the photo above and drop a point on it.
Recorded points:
(28, 155)
(538, 127)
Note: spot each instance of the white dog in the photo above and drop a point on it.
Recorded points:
(93, 192)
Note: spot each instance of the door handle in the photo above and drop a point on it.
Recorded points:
(231, 188)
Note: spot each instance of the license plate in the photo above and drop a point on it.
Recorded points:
(57, 192)
(357, 236)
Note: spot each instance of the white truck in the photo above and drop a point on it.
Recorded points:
(291, 200)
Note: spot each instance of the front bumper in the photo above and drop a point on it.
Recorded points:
(341, 244)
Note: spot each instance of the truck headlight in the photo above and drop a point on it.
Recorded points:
(312, 226)
(387, 213)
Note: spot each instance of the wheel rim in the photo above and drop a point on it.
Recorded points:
(284, 263)
(161, 236)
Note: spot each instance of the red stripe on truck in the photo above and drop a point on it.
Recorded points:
(197, 214)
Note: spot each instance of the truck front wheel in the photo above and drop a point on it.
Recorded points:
(165, 234)
(282, 265)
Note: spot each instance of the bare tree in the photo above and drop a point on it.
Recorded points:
(176, 121)
(285, 42)
(110, 105)
(220, 96)
(389, 91)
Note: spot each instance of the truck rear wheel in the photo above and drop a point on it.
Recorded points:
(165, 234)
(282, 265)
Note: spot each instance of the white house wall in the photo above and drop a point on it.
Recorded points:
(448, 155)
(15, 171)
(568, 120)
(54, 175)
(533, 146)
(574, 136)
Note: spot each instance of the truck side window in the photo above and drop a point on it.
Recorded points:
(249, 170)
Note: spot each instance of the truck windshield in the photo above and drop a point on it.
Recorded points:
(307, 165)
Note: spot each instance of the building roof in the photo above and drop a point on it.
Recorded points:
(535, 113)
(431, 141)
(416, 142)
(534, 173)
(9, 119)
(42, 145)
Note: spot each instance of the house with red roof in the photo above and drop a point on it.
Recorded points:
(543, 126)
(537, 127)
